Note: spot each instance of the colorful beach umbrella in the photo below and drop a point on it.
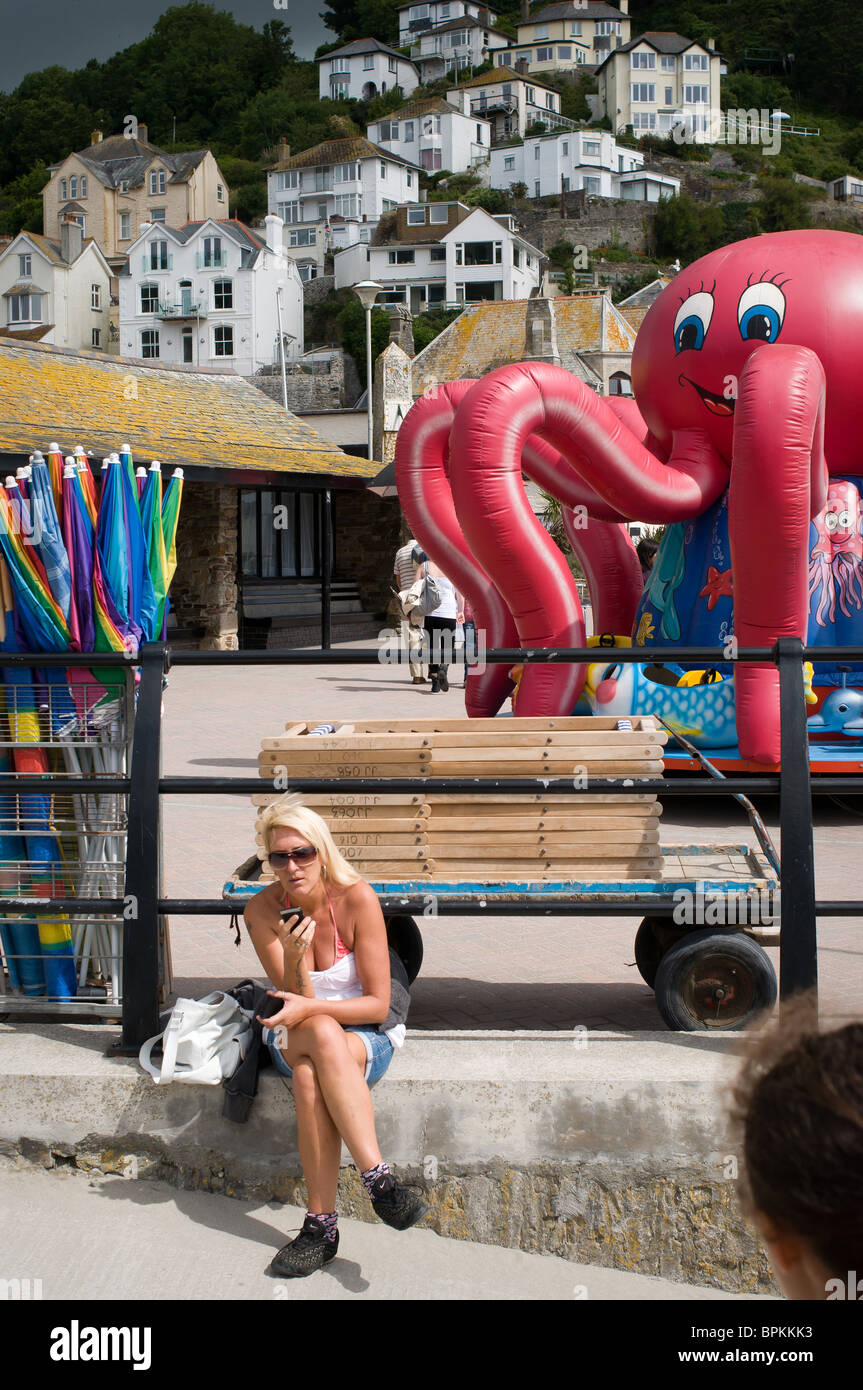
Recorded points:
(157, 558)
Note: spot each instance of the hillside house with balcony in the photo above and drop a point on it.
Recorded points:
(564, 37)
(431, 255)
(415, 20)
(657, 81)
(511, 103)
(434, 134)
(456, 45)
(587, 159)
(363, 70)
(331, 195)
(206, 295)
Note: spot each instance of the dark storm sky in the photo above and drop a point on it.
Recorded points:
(38, 33)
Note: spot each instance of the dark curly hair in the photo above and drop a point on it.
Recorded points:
(797, 1108)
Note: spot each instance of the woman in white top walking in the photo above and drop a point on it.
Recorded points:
(440, 625)
(331, 969)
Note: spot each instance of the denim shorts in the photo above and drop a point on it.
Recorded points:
(379, 1052)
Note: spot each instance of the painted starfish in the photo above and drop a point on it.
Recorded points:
(719, 585)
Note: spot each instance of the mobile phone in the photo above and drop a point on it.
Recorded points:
(292, 917)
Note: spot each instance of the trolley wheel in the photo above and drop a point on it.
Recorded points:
(649, 948)
(404, 936)
(713, 979)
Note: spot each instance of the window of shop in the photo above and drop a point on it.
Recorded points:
(280, 534)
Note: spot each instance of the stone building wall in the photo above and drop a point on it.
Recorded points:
(590, 225)
(367, 537)
(204, 592)
(322, 384)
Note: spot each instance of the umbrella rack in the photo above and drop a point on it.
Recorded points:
(66, 845)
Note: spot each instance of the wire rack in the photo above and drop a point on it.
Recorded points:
(62, 845)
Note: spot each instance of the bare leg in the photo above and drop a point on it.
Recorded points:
(319, 1140)
(336, 1055)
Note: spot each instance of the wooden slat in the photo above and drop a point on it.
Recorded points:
(575, 822)
(600, 872)
(473, 849)
(498, 803)
(357, 802)
(500, 738)
(588, 839)
(644, 769)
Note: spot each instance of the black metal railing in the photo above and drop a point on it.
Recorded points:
(145, 787)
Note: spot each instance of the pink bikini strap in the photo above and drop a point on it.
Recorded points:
(340, 950)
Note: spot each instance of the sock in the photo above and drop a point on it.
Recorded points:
(371, 1175)
(329, 1221)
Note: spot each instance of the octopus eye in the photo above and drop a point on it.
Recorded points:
(692, 321)
(831, 521)
(845, 520)
(760, 312)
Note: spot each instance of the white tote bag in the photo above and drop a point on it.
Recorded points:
(204, 1041)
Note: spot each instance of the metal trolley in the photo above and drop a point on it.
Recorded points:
(63, 845)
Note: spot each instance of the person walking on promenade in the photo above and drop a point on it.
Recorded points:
(440, 625)
(339, 1024)
(405, 572)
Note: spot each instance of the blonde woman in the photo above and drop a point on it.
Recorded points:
(331, 969)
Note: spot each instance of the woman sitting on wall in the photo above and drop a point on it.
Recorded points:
(331, 968)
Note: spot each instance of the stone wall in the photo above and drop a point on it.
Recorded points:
(322, 384)
(590, 225)
(204, 591)
(316, 290)
(367, 538)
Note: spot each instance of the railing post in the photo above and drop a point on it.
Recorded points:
(326, 567)
(141, 925)
(798, 957)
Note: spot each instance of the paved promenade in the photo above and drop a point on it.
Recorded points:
(483, 973)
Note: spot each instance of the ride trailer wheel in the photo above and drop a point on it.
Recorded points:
(649, 949)
(714, 979)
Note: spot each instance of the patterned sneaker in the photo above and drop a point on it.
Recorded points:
(443, 679)
(395, 1204)
(310, 1251)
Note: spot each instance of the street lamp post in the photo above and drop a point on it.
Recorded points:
(367, 292)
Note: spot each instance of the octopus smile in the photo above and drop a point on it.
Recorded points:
(717, 405)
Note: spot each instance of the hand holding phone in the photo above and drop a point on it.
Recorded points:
(296, 931)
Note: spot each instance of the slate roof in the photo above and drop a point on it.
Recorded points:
(350, 50)
(592, 10)
(207, 422)
(117, 159)
(338, 152)
(494, 334)
(27, 335)
(431, 105)
(504, 74)
(664, 41)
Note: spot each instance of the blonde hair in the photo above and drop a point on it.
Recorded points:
(289, 813)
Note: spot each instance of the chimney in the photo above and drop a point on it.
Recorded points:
(95, 137)
(274, 226)
(284, 148)
(525, 11)
(521, 67)
(142, 133)
(71, 239)
(623, 6)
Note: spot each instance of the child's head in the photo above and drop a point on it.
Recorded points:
(798, 1107)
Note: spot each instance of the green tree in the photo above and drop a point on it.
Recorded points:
(686, 229)
(351, 324)
(363, 19)
(21, 202)
(784, 205)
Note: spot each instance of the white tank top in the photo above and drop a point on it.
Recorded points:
(342, 981)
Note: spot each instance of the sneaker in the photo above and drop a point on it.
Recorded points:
(444, 682)
(395, 1204)
(310, 1251)
(434, 685)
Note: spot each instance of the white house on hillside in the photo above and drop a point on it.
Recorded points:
(431, 254)
(365, 69)
(55, 292)
(562, 37)
(434, 134)
(457, 44)
(418, 19)
(352, 179)
(509, 101)
(207, 295)
(586, 159)
(659, 80)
